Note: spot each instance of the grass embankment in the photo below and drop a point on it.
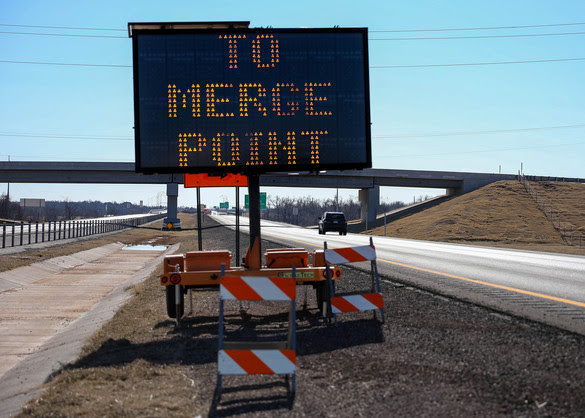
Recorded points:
(567, 201)
(501, 214)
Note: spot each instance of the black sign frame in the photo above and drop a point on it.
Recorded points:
(142, 31)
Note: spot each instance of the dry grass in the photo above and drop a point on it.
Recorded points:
(567, 201)
(139, 363)
(501, 214)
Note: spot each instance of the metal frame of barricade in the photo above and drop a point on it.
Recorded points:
(268, 357)
(360, 301)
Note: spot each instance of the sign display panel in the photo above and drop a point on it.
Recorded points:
(251, 100)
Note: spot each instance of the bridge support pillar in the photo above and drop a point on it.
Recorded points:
(172, 221)
(369, 200)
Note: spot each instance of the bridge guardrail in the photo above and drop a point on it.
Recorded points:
(20, 233)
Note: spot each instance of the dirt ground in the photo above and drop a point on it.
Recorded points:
(432, 357)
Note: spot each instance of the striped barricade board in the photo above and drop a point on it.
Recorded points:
(239, 362)
(257, 288)
(350, 254)
(258, 357)
(356, 302)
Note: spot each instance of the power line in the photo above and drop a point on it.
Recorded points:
(61, 136)
(480, 28)
(475, 63)
(372, 67)
(393, 156)
(371, 31)
(48, 158)
(476, 37)
(64, 35)
(398, 136)
(484, 151)
(61, 27)
(370, 39)
(66, 64)
(497, 131)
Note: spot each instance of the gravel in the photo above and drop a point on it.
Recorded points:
(433, 356)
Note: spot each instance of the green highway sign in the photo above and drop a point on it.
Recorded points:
(262, 201)
(224, 205)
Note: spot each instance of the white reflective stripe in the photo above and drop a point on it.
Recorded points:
(366, 251)
(334, 258)
(276, 361)
(225, 294)
(226, 365)
(265, 288)
(358, 301)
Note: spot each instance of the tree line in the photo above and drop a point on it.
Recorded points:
(67, 210)
(309, 209)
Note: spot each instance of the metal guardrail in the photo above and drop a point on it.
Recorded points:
(20, 233)
(564, 228)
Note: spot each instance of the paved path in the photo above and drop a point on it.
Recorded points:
(49, 308)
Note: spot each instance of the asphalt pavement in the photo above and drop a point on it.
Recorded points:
(540, 286)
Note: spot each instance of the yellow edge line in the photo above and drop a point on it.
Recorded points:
(512, 289)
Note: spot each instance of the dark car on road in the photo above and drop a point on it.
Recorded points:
(333, 221)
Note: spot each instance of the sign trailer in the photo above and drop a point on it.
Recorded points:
(219, 98)
(223, 98)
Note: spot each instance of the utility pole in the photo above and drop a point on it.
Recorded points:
(8, 191)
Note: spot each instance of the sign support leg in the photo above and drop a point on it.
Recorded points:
(254, 203)
(199, 227)
(237, 226)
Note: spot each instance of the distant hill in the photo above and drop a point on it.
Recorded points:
(500, 214)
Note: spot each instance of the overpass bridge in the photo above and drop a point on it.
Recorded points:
(368, 181)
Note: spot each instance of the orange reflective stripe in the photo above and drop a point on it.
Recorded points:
(287, 285)
(350, 254)
(342, 304)
(239, 288)
(291, 355)
(375, 299)
(249, 362)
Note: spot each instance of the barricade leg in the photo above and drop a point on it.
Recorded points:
(220, 346)
(258, 357)
(178, 303)
(330, 290)
(375, 270)
(360, 301)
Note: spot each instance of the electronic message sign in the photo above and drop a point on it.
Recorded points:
(251, 100)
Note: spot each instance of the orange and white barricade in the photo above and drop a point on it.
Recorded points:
(356, 302)
(267, 357)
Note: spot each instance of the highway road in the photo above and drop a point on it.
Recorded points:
(544, 287)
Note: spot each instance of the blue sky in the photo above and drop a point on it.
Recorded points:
(458, 118)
